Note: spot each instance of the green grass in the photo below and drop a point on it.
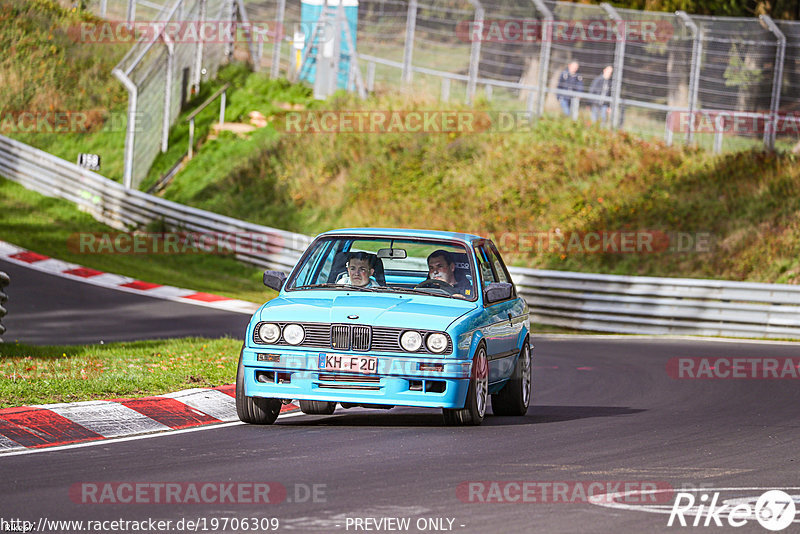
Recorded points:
(45, 225)
(558, 176)
(47, 374)
(45, 68)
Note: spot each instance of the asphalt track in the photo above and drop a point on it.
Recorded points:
(604, 410)
(44, 309)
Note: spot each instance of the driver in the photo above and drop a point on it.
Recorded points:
(442, 267)
(359, 271)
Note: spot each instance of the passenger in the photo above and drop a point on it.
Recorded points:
(442, 267)
(359, 271)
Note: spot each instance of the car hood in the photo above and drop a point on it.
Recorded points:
(394, 310)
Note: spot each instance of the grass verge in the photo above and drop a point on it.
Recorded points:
(545, 192)
(44, 225)
(48, 374)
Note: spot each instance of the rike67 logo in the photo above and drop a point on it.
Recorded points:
(774, 509)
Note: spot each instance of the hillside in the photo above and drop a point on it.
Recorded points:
(561, 195)
(549, 196)
(46, 72)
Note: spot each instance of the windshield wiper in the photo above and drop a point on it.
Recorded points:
(439, 293)
(334, 286)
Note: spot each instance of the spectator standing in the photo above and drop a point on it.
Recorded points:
(569, 80)
(601, 86)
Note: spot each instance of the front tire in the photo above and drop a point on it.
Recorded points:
(312, 407)
(515, 396)
(254, 410)
(477, 396)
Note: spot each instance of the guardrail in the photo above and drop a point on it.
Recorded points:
(611, 303)
(123, 209)
(4, 281)
(650, 305)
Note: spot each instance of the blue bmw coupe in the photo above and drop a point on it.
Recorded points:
(389, 317)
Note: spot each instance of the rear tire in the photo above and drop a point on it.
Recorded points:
(477, 396)
(312, 407)
(515, 396)
(254, 410)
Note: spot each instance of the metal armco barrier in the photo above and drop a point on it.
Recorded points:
(123, 209)
(650, 305)
(4, 281)
(610, 303)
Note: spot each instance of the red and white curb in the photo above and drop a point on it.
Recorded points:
(49, 425)
(33, 260)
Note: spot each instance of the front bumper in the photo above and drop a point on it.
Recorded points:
(295, 374)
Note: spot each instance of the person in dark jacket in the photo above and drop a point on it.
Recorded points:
(569, 80)
(601, 86)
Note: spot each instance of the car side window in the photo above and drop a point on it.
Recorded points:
(323, 255)
(497, 263)
(484, 266)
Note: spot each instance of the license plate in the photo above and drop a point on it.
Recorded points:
(353, 364)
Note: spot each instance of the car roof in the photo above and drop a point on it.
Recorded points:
(404, 232)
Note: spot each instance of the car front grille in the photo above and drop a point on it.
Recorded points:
(340, 337)
(361, 337)
(354, 337)
(349, 378)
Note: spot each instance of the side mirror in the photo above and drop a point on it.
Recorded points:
(274, 279)
(497, 291)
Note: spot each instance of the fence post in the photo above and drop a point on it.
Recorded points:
(230, 38)
(248, 33)
(777, 81)
(445, 89)
(371, 76)
(544, 53)
(191, 138)
(222, 102)
(619, 62)
(668, 129)
(198, 58)
(475, 51)
(130, 135)
(103, 7)
(4, 281)
(278, 36)
(694, 72)
(719, 128)
(131, 10)
(408, 46)
(165, 119)
(333, 81)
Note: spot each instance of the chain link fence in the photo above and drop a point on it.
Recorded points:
(182, 44)
(720, 83)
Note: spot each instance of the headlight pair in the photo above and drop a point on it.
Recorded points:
(293, 334)
(411, 340)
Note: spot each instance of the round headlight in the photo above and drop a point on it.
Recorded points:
(436, 342)
(411, 341)
(269, 332)
(293, 334)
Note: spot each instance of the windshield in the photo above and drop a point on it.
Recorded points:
(433, 267)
